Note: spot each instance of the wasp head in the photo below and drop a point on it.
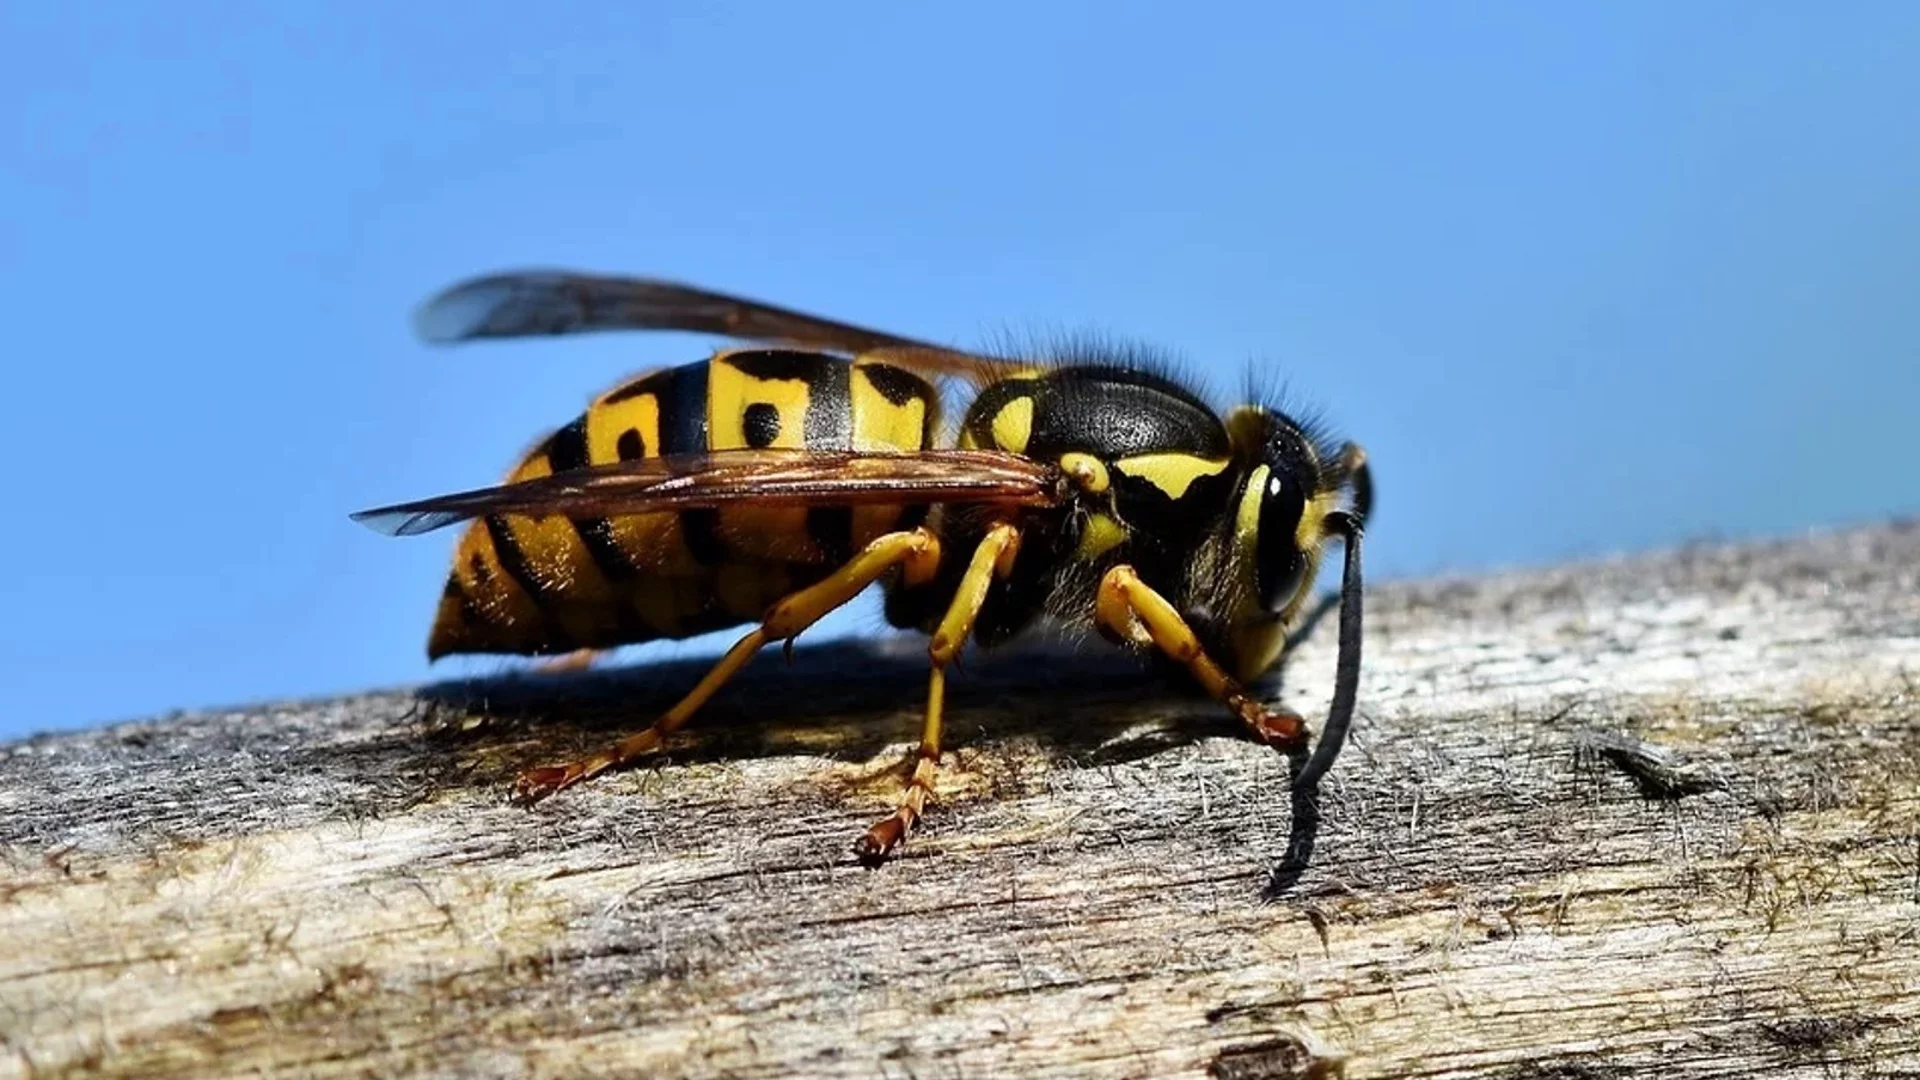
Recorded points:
(1293, 479)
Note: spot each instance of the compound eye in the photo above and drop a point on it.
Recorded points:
(1279, 564)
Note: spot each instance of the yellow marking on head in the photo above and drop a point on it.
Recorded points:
(1246, 521)
(1258, 637)
(1100, 536)
(1172, 473)
(1089, 473)
(1013, 425)
(1312, 531)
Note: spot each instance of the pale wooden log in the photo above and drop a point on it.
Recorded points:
(1650, 814)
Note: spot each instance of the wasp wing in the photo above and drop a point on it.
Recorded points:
(784, 478)
(536, 302)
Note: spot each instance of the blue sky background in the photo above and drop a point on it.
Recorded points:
(1584, 278)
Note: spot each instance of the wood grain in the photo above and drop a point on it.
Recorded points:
(1637, 816)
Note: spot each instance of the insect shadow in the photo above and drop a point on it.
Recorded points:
(843, 700)
(850, 701)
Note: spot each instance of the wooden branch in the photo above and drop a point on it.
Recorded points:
(1648, 813)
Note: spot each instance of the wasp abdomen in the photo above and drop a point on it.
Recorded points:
(550, 585)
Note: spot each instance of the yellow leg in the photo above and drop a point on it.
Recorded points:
(1131, 609)
(993, 558)
(917, 553)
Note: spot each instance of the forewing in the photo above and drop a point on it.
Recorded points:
(531, 303)
(774, 478)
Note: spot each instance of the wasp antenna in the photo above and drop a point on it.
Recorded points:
(1359, 475)
(1346, 680)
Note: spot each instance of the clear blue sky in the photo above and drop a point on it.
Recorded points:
(1584, 278)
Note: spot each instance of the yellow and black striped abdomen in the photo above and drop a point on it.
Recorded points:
(521, 585)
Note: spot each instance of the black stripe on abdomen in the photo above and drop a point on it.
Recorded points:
(683, 430)
(513, 561)
(830, 406)
(568, 450)
(830, 427)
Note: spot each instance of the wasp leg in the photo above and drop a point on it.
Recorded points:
(993, 558)
(1132, 610)
(917, 553)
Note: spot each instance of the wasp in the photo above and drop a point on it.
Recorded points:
(769, 484)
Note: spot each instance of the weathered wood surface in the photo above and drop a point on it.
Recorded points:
(1659, 814)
